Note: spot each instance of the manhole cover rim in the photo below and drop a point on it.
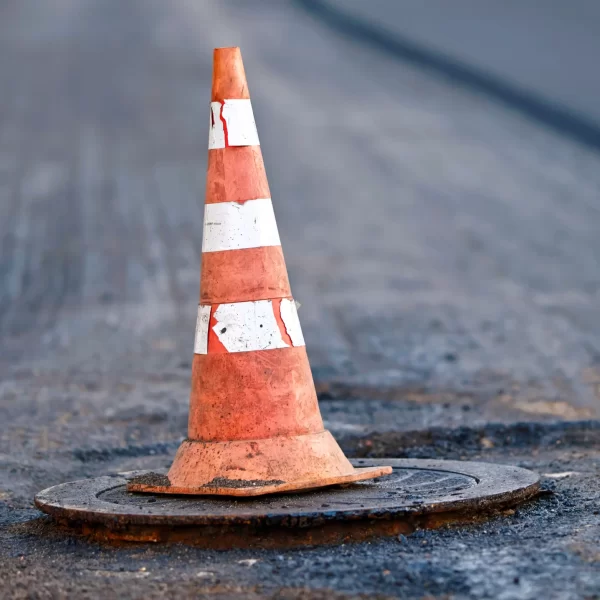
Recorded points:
(496, 485)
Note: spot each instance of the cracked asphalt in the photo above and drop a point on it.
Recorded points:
(444, 248)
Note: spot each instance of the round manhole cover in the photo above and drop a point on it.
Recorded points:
(419, 493)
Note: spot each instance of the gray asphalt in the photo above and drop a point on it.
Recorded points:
(443, 246)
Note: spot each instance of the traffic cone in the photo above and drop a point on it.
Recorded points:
(254, 424)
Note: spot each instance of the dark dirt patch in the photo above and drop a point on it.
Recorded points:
(153, 479)
(224, 482)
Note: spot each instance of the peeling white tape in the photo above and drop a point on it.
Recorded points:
(201, 338)
(289, 316)
(249, 326)
(239, 128)
(216, 133)
(234, 226)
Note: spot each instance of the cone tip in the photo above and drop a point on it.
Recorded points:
(229, 78)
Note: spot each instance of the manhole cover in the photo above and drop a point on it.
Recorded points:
(419, 493)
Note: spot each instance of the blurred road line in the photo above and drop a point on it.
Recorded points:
(554, 116)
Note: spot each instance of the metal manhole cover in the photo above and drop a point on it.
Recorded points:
(419, 493)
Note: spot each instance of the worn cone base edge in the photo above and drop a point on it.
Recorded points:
(256, 467)
(357, 475)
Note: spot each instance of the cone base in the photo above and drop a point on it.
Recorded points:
(358, 475)
(256, 467)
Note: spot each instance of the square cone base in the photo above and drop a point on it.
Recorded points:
(256, 467)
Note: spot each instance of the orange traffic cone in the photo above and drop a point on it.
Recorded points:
(254, 425)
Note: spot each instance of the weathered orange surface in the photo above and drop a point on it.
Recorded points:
(236, 174)
(243, 275)
(250, 395)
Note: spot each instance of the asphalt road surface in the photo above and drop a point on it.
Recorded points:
(444, 246)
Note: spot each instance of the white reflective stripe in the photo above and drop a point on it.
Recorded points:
(239, 119)
(249, 326)
(234, 226)
(289, 316)
(201, 338)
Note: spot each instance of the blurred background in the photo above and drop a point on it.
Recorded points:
(435, 173)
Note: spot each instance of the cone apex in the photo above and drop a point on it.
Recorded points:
(229, 77)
